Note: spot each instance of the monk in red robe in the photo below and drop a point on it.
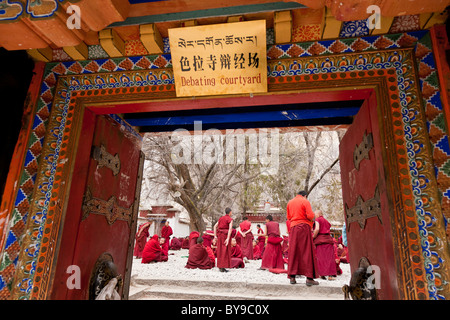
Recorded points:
(141, 239)
(222, 231)
(211, 255)
(261, 239)
(237, 258)
(175, 244)
(342, 251)
(326, 260)
(198, 255)
(152, 251)
(245, 229)
(214, 246)
(301, 256)
(166, 232)
(273, 255)
(256, 251)
(185, 243)
(208, 236)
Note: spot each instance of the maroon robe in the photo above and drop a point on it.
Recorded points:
(237, 260)
(175, 244)
(247, 241)
(261, 242)
(207, 238)
(141, 240)
(166, 232)
(185, 243)
(223, 252)
(212, 256)
(153, 252)
(256, 253)
(302, 257)
(326, 263)
(198, 255)
(273, 255)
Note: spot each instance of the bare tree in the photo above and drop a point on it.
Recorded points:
(203, 185)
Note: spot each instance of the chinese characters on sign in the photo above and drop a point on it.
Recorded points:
(219, 59)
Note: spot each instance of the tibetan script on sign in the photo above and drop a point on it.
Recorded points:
(219, 59)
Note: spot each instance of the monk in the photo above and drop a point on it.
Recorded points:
(175, 244)
(164, 248)
(166, 232)
(342, 251)
(222, 232)
(237, 259)
(211, 255)
(208, 236)
(198, 255)
(326, 263)
(185, 243)
(141, 239)
(245, 230)
(152, 251)
(256, 251)
(214, 246)
(273, 255)
(261, 238)
(301, 256)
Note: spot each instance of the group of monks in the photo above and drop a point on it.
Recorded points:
(309, 249)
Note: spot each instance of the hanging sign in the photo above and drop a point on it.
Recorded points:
(219, 59)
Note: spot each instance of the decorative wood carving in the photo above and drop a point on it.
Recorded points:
(361, 152)
(363, 210)
(105, 159)
(108, 208)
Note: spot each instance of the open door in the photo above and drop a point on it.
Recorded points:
(100, 220)
(367, 200)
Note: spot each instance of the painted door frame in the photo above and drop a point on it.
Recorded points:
(390, 74)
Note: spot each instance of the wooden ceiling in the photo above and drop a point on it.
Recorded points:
(111, 28)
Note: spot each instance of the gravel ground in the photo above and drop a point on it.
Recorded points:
(174, 269)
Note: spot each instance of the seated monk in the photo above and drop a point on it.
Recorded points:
(212, 255)
(237, 259)
(256, 251)
(152, 251)
(214, 246)
(198, 254)
(208, 236)
(175, 244)
(164, 247)
(185, 243)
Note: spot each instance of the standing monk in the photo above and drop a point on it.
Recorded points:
(272, 257)
(166, 232)
(261, 238)
(326, 260)
(247, 238)
(301, 256)
(222, 232)
(141, 239)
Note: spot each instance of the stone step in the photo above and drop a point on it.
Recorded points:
(154, 289)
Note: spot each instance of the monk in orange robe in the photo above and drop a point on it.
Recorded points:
(301, 255)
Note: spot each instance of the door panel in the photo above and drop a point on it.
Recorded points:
(103, 205)
(366, 199)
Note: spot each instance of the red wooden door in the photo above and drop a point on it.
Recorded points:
(366, 200)
(103, 205)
